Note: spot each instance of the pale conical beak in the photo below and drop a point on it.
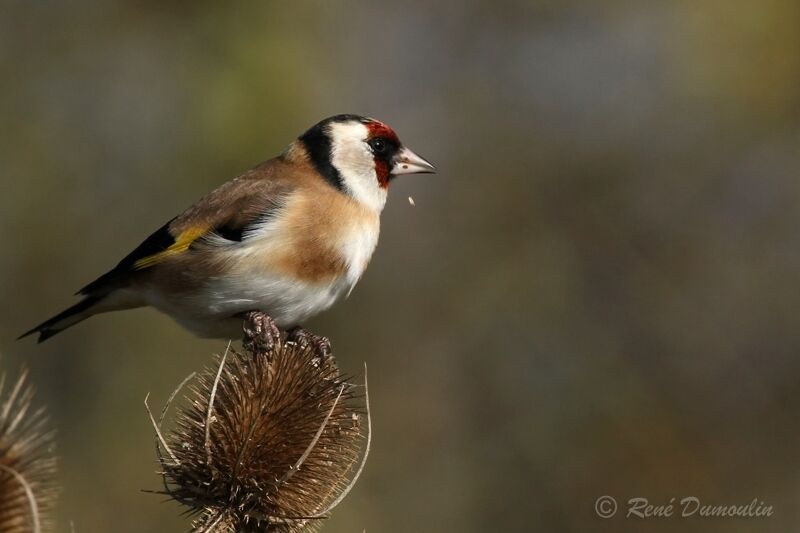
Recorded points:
(407, 162)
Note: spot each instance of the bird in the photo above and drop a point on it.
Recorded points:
(288, 238)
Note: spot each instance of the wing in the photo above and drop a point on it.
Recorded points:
(227, 212)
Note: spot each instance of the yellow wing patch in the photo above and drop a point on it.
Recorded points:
(181, 244)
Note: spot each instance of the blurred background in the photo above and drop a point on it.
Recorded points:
(597, 293)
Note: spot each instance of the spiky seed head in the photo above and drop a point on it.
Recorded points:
(277, 445)
(27, 461)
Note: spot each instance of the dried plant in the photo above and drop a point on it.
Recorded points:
(27, 462)
(268, 441)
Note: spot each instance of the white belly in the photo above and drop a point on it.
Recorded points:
(211, 310)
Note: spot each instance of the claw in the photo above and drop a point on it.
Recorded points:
(260, 332)
(303, 337)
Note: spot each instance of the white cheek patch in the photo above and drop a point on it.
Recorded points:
(351, 156)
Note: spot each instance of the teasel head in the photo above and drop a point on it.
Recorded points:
(27, 461)
(269, 439)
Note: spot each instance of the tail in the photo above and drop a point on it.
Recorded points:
(66, 319)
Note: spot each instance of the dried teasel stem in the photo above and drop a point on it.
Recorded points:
(27, 462)
(269, 439)
(211, 404)
(36, 523)
(343, 494)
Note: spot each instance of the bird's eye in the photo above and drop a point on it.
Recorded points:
(378, 145)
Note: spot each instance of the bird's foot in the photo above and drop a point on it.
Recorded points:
(260, 332)
(303, 337)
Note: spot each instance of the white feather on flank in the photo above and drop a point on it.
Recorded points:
(351, 156)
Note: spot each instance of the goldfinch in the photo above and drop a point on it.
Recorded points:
(289, 237)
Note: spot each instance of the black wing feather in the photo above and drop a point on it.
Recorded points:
(158, 241)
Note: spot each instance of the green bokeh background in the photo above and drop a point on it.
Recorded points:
(597, 293)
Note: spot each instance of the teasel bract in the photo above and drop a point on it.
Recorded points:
(27, 461)
(270, 438)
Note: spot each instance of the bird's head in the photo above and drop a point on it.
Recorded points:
(360, 156)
